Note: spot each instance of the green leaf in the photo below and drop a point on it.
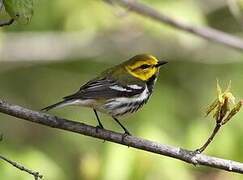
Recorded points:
(19, 10)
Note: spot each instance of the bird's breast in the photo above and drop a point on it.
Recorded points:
(125, 105)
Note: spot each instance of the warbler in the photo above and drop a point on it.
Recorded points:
(119, 90)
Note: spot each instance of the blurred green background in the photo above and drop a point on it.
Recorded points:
(69, 42)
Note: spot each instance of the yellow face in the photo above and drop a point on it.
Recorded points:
(142, 66)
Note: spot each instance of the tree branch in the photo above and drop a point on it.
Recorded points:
(22, 168)
(138, 143)
(6, 23)
(204, 32)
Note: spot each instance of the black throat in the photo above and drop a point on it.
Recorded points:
(150, 83)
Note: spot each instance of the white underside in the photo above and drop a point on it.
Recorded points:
(110, 106)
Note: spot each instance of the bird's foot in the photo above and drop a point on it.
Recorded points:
(197, 151)
(126, 133)
(99, 127)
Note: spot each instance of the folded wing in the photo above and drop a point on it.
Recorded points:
(106, 88)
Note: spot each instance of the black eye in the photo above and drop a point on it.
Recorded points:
(144, 66)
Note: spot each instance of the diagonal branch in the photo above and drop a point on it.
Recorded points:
(138, 143)
(22, 168)
(204, 32)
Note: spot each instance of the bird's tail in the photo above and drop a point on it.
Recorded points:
(57, 105)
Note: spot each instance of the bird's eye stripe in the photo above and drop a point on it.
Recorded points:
(144, 66)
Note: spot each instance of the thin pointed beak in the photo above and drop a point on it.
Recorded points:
(160, 63)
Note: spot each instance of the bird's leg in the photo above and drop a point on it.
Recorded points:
(97, 117)
(100, 124)
(126, 131)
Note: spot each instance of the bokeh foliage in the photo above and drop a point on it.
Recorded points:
(19, 10)
(174, 114)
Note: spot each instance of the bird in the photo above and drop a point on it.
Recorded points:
(118, 91)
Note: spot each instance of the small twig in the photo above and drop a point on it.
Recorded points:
(35, 174)
(7, 23)
(223, 112)
(218, 125)
(210, 139)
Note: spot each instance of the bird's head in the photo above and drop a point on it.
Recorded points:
(143, 66)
